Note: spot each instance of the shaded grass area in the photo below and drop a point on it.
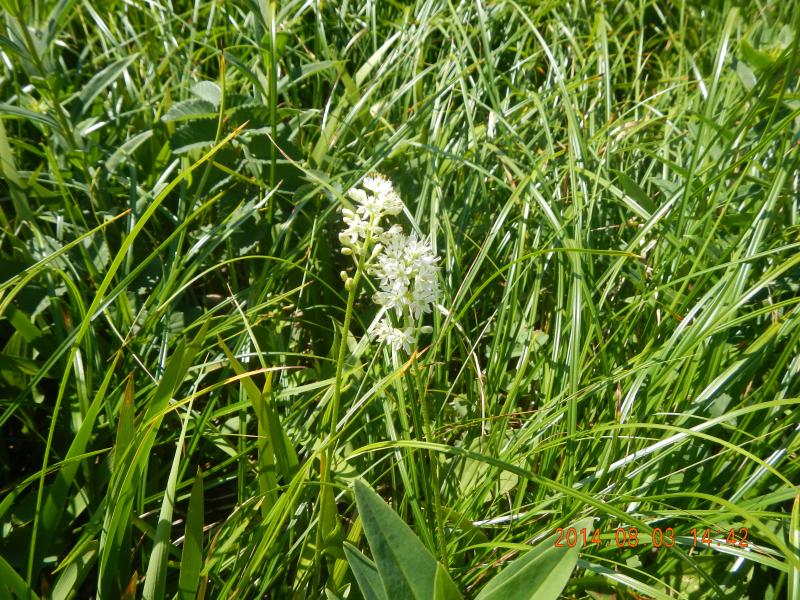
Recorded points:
(613, 191)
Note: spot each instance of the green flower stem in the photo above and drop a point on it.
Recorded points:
(348, 316)
(326, 454)
(434, 464)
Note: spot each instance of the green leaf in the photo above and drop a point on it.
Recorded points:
(794, 543)
(192, 553)
(208, 91)
(407, 568)
(366, 574)
(155, 581)
(102, 80)
(72, 577)
(12, 583)
(129, 465)
(127, 149)
(194, 134)
(746, 75)
(443, 586)
(56, 500)
(273, 431)
(267, 477)
(636, 193)
(540, 574)
(190, 109)
(10, 109)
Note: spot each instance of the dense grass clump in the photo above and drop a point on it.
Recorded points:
(189, 392)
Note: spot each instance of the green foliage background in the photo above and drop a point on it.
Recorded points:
(613, 190)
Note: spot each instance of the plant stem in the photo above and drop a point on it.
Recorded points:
(441, 540)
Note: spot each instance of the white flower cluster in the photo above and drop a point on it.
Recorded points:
(404, 265)
(406, 269)
(372, 207)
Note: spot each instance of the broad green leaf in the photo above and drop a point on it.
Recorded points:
(190, 109)
(208, 91)
(267, 477)
(540, 574)
(192, 553)
(366, 574)
(332, 532)
(16, 365)
(194, 134)
(407, 568)
(746, 75)
(8, 170)
(443, 586)
(124, 489)
(23, 324)
(114, 562)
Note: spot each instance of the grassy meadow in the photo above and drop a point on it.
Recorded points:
(192, 404)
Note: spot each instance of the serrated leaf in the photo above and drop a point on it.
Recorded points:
(366, 574)
(190, 109)
(195, 134)
(208, 91)
(540, 574)
(406, 567)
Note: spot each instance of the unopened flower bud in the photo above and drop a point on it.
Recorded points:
(426, 329)
(347, 251)
(348, 283)
(343, 275)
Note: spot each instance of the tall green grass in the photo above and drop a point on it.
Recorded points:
(613, 189)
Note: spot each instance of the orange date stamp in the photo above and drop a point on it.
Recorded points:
(631, 537)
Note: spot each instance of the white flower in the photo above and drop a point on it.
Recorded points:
(378, 184)
(371, 208)
(396, 338)
(380, 205)
(406, 270)
(405, 266)
(357, 195)
(356, 228)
